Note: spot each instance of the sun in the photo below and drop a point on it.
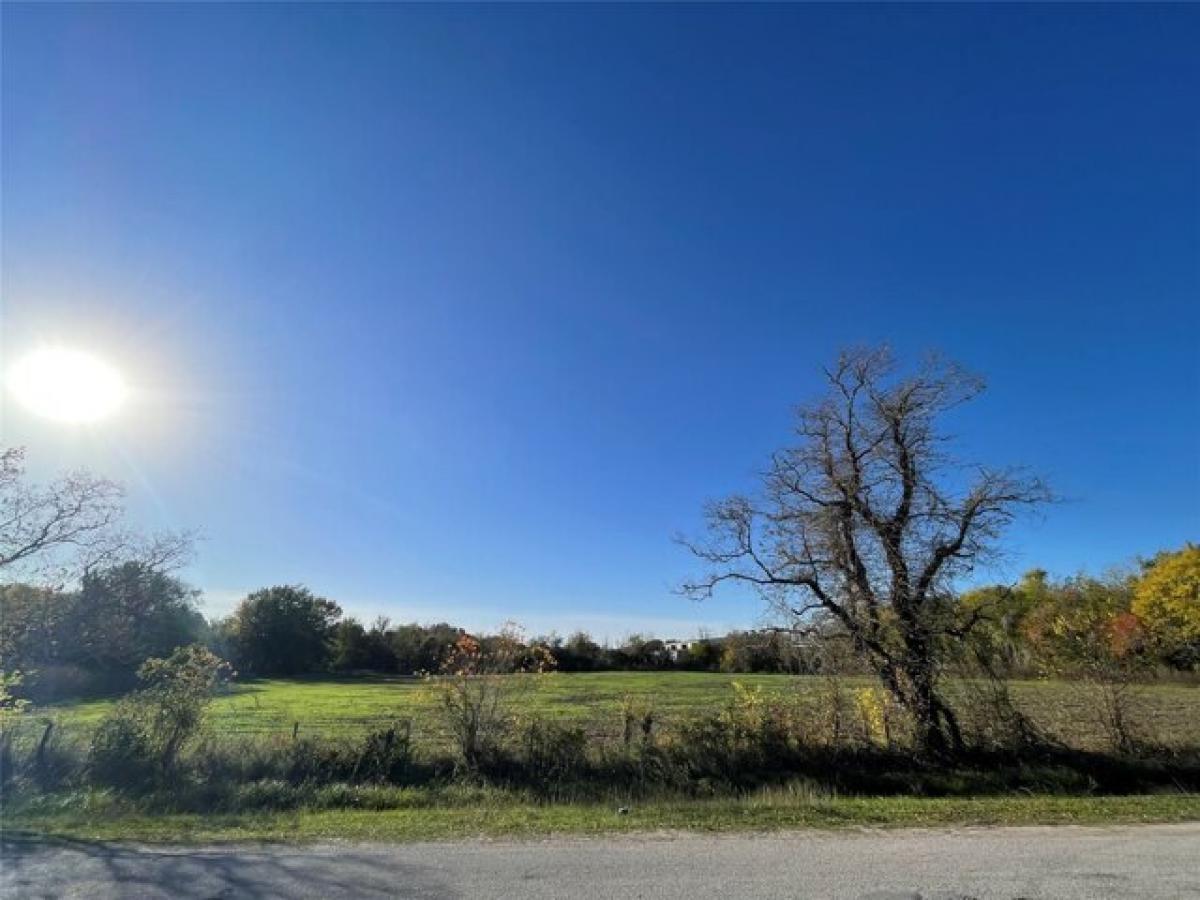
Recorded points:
(66, 385)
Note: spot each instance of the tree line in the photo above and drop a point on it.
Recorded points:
(95, 637)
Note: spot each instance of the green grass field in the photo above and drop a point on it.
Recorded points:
(348, 707)
(351, 706)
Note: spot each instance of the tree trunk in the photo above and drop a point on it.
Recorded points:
(937, 730)
(938, 733)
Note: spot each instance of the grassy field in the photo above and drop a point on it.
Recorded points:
(351, 706)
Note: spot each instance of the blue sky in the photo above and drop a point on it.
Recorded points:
(461, 313)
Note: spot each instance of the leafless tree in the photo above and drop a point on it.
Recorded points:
(864, 521)
(71, 526)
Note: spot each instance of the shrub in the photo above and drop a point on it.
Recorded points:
(177, 693)
(750, 737)
(150, 726)
(832, 712)
(385, 755)
(637, 722)
(475, 691)
(12, 711)
(551, 753)
(876, 714)
(121, 753)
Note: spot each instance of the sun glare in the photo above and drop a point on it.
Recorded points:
(66, 385)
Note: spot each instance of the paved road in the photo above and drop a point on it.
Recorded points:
(1062, 863)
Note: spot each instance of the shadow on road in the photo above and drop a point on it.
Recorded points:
(53, 868)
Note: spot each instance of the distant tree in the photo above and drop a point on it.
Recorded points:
(1166, 598)
(704, 655)
(579, 653)
(31, 625)
(653, 654)
(862, 520)
(510, 643)
(756, 651)
(283, 630)
(128, 613)
(1000, 640)
(349, 650)
(1086, 631)
(642, 652)
(363, 649)
(97, 636)
(50, 535)
(1080, 625)
(422, 648)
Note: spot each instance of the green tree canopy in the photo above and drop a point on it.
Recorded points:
(283, 630)
(119, 617)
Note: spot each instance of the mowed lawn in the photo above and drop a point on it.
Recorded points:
(349, 706)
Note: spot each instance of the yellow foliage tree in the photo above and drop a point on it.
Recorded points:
(1167, 600)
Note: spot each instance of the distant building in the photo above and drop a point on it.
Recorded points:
(676, 649)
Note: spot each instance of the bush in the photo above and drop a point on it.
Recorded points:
(550, 753)
(385, 755)
(122, 754)
(177, 693)
(749, 737)
(476, 693)
(142, 738)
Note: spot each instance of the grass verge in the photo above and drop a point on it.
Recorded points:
(93, 818)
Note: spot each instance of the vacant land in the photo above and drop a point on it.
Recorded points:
(352, 706)
(817, 791)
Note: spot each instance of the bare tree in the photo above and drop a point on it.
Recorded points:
(71, 526)
(861, 521)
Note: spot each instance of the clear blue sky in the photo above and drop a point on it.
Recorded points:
(458, 312)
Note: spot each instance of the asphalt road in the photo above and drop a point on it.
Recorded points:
(1146, 861)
